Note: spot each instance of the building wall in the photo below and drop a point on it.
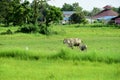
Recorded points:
(117, 21)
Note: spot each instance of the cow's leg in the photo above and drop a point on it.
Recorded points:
(70, 45)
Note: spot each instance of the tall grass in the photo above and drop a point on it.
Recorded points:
(41, 57)
(57, 70)
(18, 54)
(103, 44)
(98, 25)
(92, 56)
(65, 54)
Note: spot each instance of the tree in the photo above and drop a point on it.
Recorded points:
(35, 7)
(21, 13)
(73, 7)
(43, 11)
(12, 11)
(95, 11)
(53, 14)
(76, 7)
(6, 11)
(116, 9)
(119, 10)
(86, 13)
(39, 10)
(77, 18)
(67, 7)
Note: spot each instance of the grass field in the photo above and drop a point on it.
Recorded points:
(40, 57)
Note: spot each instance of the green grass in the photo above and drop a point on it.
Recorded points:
(57, 70)
(41, 57)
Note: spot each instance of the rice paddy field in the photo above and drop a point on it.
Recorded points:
(44, 57)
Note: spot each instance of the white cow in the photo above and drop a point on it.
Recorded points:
(72, 42)
(83, 47)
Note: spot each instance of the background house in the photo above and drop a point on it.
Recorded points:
(107, 14)
(116, 20)
(66, 16)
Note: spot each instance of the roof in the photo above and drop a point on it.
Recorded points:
(68, 12)
(106, 12)
(116, 17)
(106, 18)
(107, 7)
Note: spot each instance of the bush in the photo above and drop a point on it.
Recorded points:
(43, 29)
(28, 29)
(77, 18)
(7, 32)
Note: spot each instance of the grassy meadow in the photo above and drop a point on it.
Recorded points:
(45, 57)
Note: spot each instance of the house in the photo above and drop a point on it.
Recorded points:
(66, 16)
(106, 14)
(116, 20)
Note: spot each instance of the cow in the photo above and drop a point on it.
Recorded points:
(83, 47)
(71, 42)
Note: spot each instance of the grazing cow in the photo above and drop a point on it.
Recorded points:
(83, 47)
(72, 42)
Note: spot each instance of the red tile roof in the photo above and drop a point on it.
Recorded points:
(107, 7)
(106, 12)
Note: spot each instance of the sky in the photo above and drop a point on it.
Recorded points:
(86, 4)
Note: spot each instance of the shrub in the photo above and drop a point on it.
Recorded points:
(43, 29)
(77, 18)
(7, 32)
(28, 28)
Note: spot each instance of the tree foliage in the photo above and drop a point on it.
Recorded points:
(44, 14)
(6, 11)
(35, 10)
(21, 13)
(77, 18)
(74, 7)
(67, 7)
(95, 11)
(12, 11)
(86, 13)
(116, 9)
(53, 14)
(119, 10)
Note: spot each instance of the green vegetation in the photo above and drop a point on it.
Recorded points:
(37, 13)
(77, 18)
(57, 70)
(27, 54)
(36, 56)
